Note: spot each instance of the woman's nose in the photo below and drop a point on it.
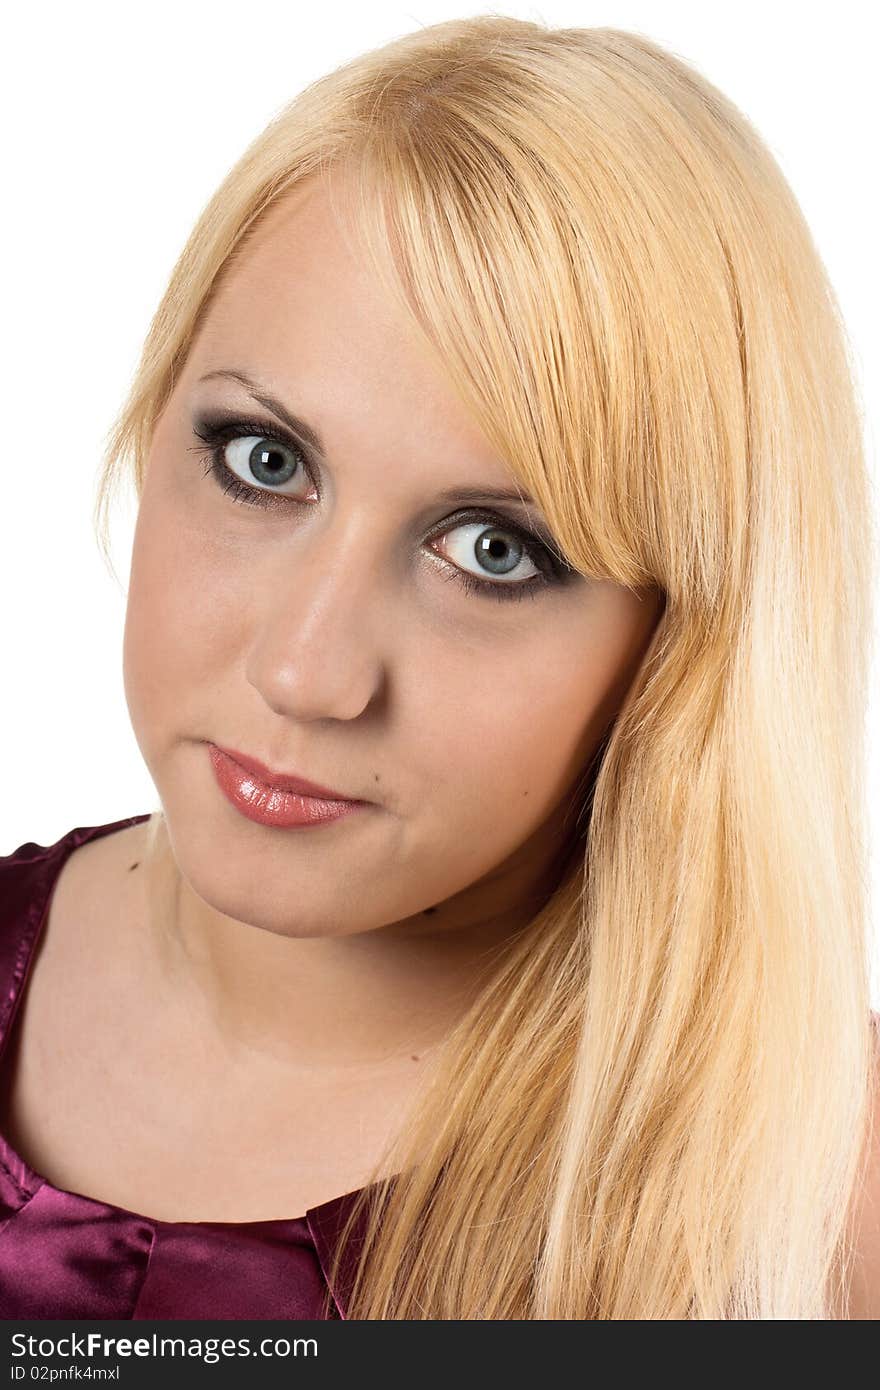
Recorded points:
(316, 650)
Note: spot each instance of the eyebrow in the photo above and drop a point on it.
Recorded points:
(311, 437)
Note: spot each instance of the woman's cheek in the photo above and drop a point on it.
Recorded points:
(506, 750)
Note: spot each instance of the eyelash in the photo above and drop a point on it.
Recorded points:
(216, 434)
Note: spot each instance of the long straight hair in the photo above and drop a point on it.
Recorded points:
(657, 1106)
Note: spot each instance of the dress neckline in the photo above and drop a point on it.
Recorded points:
(326, 1216)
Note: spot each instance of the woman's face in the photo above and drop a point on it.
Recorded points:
(330, 634)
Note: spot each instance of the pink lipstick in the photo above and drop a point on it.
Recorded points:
(275, 798)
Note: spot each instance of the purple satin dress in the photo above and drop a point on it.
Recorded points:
(64, 1255)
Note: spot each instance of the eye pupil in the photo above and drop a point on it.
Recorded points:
(501, 550)
(269, 464)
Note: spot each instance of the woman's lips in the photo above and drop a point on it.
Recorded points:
(280, 781)
(295, 803)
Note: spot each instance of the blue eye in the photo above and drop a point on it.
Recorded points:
(499, 549)
(269, 463)
(261, 455)
(497, 546)
(280, 467)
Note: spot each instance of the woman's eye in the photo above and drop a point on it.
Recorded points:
(258, 461)
(490, 553)
(485, 556)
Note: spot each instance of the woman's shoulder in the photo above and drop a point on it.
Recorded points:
(30, 854)
(27, 878)
(863, 1291)
(28, 875)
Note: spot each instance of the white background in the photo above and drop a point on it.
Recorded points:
(119, 121)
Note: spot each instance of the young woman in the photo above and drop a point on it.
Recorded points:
(497, 639)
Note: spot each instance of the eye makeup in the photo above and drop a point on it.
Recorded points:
(216, 431)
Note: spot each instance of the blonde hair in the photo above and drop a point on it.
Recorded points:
(656, 1107)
